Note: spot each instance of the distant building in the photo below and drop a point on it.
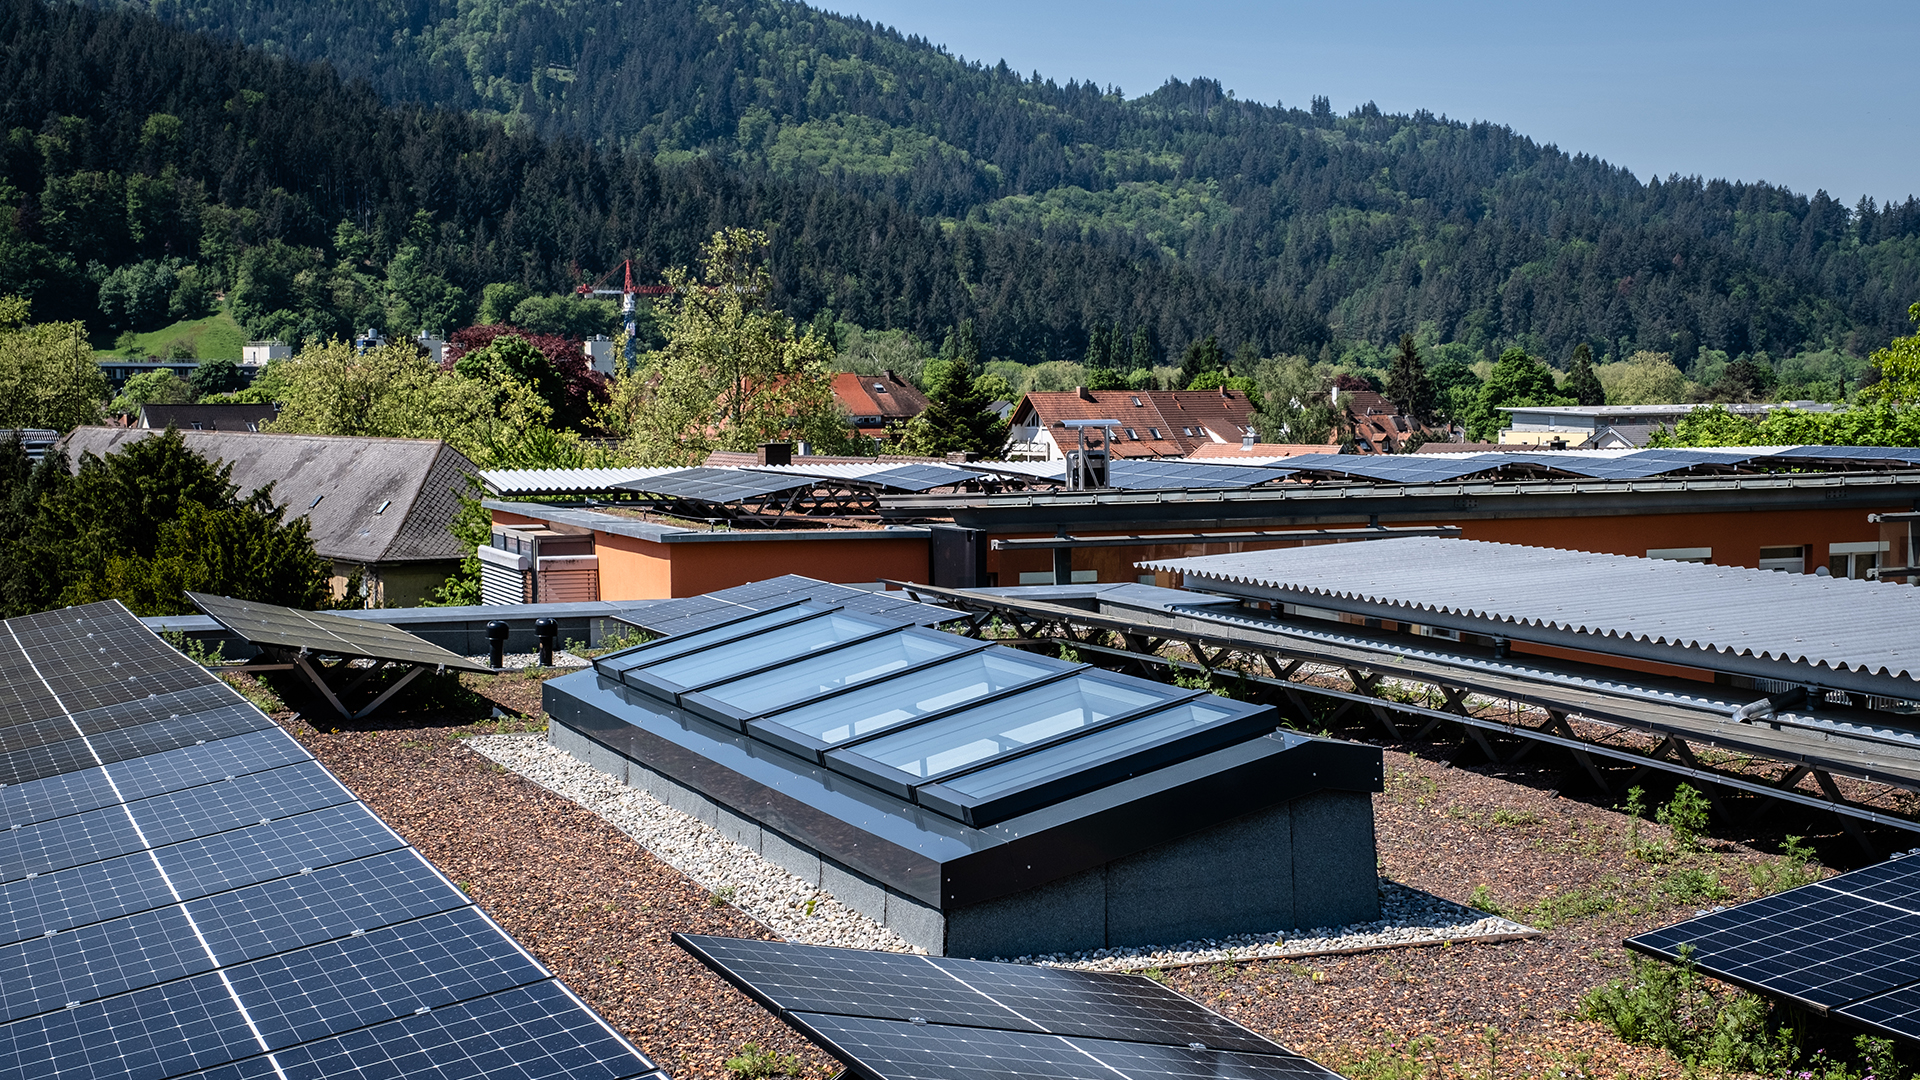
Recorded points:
(1149, 423)
(1248, 453)
(1613, 427)
(376, 507)
(119, 371)
(1378, 427)
(601, 354)
(259, 353)
(874, 403)
(206, 417)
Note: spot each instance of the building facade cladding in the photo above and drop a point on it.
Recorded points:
(1150, 423)
(980, 800)
(640, 560)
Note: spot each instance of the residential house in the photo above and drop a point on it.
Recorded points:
(1376, 426)
(874, 403)
(377, 508)
(1147, 423)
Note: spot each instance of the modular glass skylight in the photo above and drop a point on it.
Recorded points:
(972, 730)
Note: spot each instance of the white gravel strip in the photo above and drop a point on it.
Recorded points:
(519, 661)
(801, 912)
(797, 910)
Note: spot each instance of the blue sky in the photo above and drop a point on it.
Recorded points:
(1807, 95)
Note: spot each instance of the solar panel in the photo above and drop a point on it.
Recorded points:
(688, 615)
(1143, 474)
(1849, 944)
(327, 635)
(896, 1015)
(194, 891)
(716, 485)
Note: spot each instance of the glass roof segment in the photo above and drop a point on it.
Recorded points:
(870, 710)
(759, 650)
(996, 728)
(1063, 770)
(828, 672)
(654, 652)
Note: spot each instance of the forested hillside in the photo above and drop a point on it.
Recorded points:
(150, 169)
(1378, 224)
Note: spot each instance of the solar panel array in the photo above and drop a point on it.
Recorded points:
(894, 1016)
(325, 634)
(184, 890)
(717, 485)
(904, 476)
(1148, 473)
(1849, 946)
(687, 614)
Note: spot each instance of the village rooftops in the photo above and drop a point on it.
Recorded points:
(1150, 423)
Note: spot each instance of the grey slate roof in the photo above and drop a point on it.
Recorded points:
(1861, 626)
(418, 481)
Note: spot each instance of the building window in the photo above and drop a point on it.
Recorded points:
(1154, 432)
(879, 389)
(1787, 560)
(1137, 405)
(1854, 560)
(1132, 435)
(1700, 555)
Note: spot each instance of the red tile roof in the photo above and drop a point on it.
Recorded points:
(874, 401)
(1163, 423)
(1378, 427)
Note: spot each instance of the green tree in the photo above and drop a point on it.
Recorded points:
(1408, 386)
(735, 372)
(216, 377)
(1516, 379)
(497, 302)
(957, 419)
(141, 525)
(1899, 368)
(1645, 378)
(136, 296)
(48, 377)
(1455, 387)
(1200, 358)
(1582, 385)
(160, 387)
(567, 315)
(1099, 349)
(1296, 403)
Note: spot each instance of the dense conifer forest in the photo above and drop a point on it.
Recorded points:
(903, 186)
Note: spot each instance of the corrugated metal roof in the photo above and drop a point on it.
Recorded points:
(1860, 626)
(510, 482)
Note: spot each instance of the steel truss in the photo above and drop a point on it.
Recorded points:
(1410, 689)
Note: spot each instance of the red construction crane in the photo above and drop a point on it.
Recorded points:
(629, 305)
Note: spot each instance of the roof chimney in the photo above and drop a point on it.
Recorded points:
(891, 377)
(1085, 394)
(776, 453)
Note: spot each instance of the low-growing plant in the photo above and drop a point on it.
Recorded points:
(1401, 1061)
(1794, 868)
(1515, 818)
(723, 895)
(1482, 900)
(196, 650)
(1710, 1028)
(1688, 884)
(754, 1063)
(1685, 816)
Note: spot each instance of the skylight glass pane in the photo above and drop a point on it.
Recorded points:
(654, 652)
(781, 643)
(1008, 724)
(1077, 754)
(815, 675)
(889, 704)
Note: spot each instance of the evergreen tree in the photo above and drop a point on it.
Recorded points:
(1582, 384)
(1143, 353)
(1200, 358)
(1099, 350)
(957, 419)
(1408, 386)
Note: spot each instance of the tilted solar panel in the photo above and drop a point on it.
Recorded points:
(327, 635)
(1849, 945)
(191, 893)
(894, 1015)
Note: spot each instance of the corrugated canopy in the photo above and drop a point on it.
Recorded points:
(1844, 625)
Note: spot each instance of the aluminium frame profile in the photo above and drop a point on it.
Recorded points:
(1560, 689)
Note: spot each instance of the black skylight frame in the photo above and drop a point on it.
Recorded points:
(936, 791)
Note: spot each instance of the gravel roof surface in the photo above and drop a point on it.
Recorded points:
(586, 899)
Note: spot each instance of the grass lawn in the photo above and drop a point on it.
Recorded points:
(216, 337)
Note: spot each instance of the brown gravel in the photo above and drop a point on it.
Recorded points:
(596, 908)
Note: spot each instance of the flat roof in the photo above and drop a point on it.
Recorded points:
(1692, 614)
